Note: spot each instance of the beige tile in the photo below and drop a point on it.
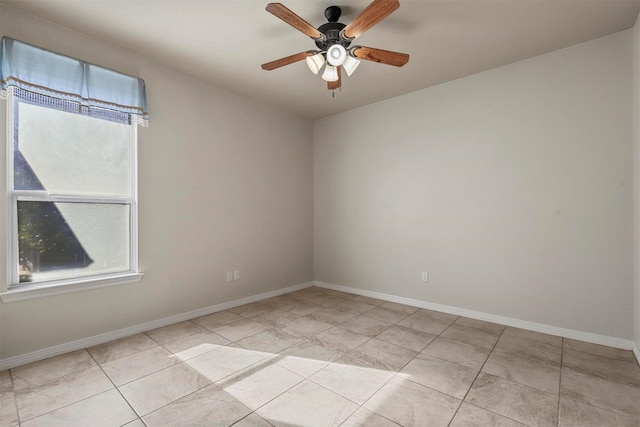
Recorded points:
(239, 329)
(332, 316)
(135, 423)
(491, 328)
(356, 383)
(137, 365)
(368, 300)
(470, 335)
(341, 294)
(519, 381)
(195, 345)
(529, 349)
(579, 414)
(385, 314)
(5, 380)
(252, 420)
(424, 313)
(364, 325)
(458, 352)
(353, 306)
(406, 337)
(62, 391)
(532, 335)
(305, 294)
(306, 358)
(223, 361)
(340, 339)
(282, 302)
(603, 367)
(161, 388)
(258, 384)
(607, 395)
(521, 403)
(327, 300)
(380, 355)
(41, 372)
(306, 327)
(540, 375)
(209, 406)
(251, 310)
(472, 416)
(215, 320)
(423, 321)
(410, 404)
(366, 418)
(102, 410)
(600, 350)
(440, 375)
(174, 332)
(269, 341)
(122, 347)
(305, 307)
(275, 318)
(401, 308)
(309, 405)
(8, 409)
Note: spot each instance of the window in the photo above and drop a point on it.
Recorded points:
(72, 188)
(72, 193)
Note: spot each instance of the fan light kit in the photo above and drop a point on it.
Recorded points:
(336, 54)
(333, 40)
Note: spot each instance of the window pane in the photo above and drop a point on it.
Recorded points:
(66, 153)
(66, 240)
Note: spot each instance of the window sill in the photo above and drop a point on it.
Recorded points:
(43, 290)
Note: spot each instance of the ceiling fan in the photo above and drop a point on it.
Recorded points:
(333, 40)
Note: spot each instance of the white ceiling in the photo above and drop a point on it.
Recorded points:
(225, 41)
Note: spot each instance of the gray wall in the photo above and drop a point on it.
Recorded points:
(512, 188)
(225, 183)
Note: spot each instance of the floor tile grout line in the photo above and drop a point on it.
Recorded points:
(562, 367)
(464, 398)
(526, 357)
(13, 391)
(115, 387)
(20, 422)
(141, 417)
(560, 381)
(64, 406)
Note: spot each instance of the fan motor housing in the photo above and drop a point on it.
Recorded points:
(332, 29)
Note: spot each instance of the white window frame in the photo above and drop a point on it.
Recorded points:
(14, 290)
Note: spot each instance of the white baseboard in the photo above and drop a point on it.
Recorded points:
(508, 321)
(34, 356)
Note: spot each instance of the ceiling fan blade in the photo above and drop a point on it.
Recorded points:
(281, 11)
(336, 85)
(388, 57)
(285, 61)
(370, 16)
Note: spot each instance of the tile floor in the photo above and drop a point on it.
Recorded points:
(319, 357)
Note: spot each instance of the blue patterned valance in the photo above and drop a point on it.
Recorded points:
(50, 74)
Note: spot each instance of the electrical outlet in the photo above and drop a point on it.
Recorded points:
(425, 276)
(229, 276)
(236, 275)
